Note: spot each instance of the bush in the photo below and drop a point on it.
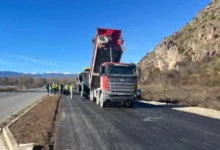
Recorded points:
(215, 36)
(181, 50)
(213, 17)
(190, 29)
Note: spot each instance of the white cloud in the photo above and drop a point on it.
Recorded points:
(34, 60)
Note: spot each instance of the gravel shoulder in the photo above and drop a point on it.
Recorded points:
(37, 125)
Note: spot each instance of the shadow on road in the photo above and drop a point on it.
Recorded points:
(138, 104)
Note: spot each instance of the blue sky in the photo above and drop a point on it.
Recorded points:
(55, 35)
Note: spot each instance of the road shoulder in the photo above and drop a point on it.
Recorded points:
(194, 110)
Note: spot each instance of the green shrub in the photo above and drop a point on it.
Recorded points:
(190, 29)
(213, 17)
(216, 36)
(181, 50)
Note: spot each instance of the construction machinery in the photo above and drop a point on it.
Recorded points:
(110, 80)
(83, 82)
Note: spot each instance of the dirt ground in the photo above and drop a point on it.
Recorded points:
(37, 125)
(188, 96)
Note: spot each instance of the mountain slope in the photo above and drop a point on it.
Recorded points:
(185, 67)
(196, 41)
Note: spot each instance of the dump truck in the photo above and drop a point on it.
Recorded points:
(110, 80)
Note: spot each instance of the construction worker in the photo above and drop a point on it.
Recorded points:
(50, 88)
(66, 89)
(75, 87)
(54, 88)
(71, 91)
(60, 88)
(139, 92)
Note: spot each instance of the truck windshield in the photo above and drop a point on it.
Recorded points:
(121, 70)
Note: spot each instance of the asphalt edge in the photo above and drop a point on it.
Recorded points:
(8, 137)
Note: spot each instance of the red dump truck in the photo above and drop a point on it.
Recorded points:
(110, 80)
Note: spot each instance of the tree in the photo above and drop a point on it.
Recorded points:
(4, 80)
(13, 81)
(25, 81)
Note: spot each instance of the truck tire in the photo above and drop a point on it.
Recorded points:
(102, 104)
(101, 101)
(97, 101)
(91, 96)
(81, 94)
(128, 104)
(139, 97)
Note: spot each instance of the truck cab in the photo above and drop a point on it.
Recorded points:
(118, 83)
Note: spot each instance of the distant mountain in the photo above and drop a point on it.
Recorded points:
(40, 75)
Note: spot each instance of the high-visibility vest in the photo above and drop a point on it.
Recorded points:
(71, 88)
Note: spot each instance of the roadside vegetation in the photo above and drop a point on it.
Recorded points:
(192, 84)
(9, 84)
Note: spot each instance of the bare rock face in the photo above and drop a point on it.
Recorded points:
(200, 38)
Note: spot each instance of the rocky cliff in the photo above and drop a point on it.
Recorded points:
(196, 41)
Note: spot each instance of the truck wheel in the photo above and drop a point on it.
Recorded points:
(81, 94)
(128, 104)
(139, 97)
(97, 101)
(91, 96)
(102, 103)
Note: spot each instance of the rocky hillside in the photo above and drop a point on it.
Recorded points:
(196, 41)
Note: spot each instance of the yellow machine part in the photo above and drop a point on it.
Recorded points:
(86, 69)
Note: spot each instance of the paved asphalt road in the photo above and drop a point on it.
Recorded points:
(10, 102)
(82, 125)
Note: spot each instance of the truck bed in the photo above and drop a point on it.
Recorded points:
(102, 54)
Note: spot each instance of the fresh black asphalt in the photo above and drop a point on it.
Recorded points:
(82, 125)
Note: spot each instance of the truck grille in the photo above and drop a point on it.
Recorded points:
(119, 84)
